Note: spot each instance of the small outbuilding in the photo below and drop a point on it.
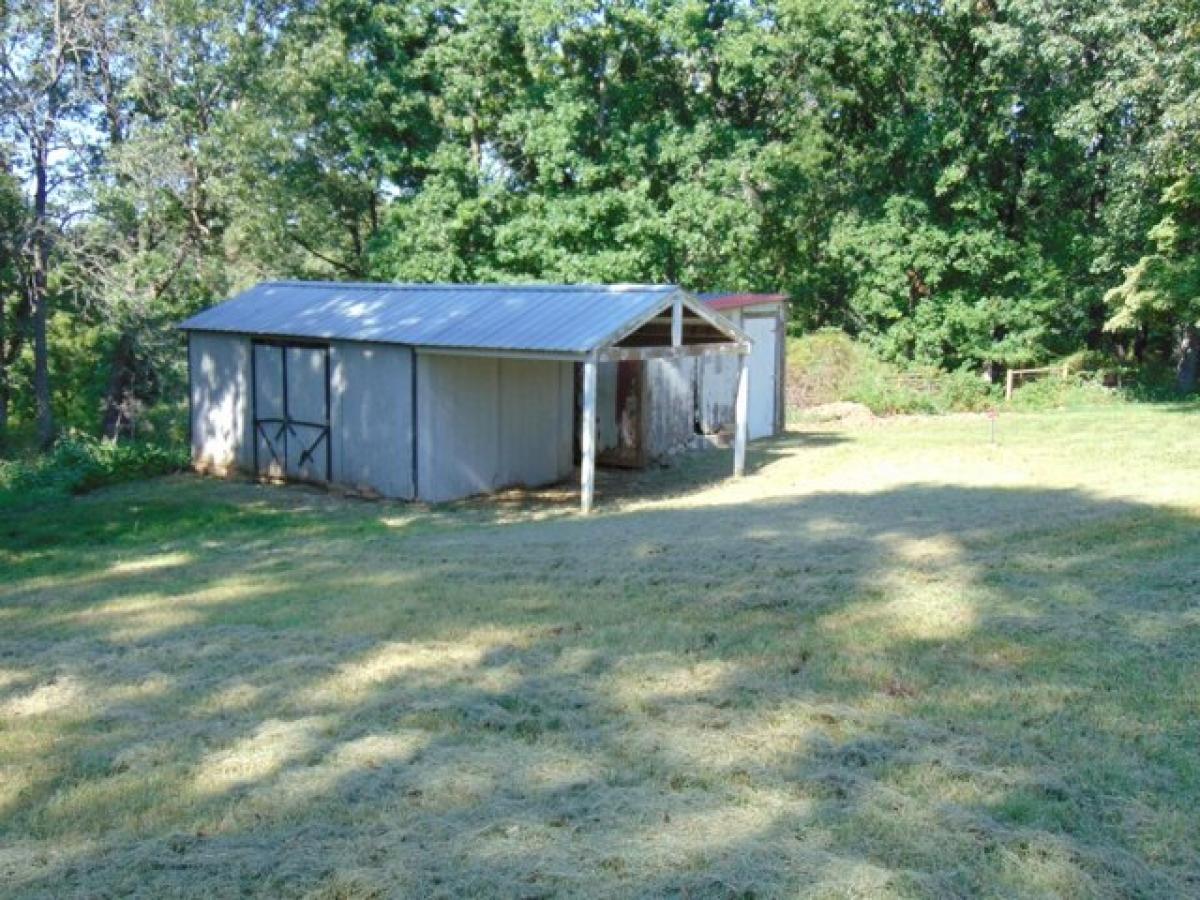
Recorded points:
(652, 409)
(432, 392)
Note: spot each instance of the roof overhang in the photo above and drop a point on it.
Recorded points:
(741, 301)
(731, 338)
(723, 336)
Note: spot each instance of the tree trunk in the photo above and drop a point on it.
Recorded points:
(120, 387)
(1189, 361)
(10, 349)
(38, 299)
(3, 378)
(1141, 340)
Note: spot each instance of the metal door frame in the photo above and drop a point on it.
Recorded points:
(285, 423)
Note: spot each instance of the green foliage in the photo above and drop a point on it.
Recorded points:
(1056, 392)
(828, 365)
(957, 184)
(79, 463)
(1163, 287)
(946, 297)
(823, 365)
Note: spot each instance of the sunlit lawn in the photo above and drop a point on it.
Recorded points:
(895, 660)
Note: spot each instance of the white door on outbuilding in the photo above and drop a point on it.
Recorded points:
(762, 330)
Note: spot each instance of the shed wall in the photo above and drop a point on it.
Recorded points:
(485, 423)
(669, 422)
(694, 395)
(607, 432)
(221, 427)
(536, 421)
(764, 372)
(371, 395)
(717, 379)
(716, 387)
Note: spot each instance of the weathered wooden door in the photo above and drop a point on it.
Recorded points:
(628, 450)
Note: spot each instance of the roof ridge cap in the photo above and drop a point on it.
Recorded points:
(450, 286)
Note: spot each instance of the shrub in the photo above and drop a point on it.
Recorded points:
(887, 395)
(824, 366)
(1055, 392)
(966, 391)
(78, 464)
(828, 365)
(1156, 381)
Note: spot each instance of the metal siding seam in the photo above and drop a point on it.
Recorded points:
(414, 421)
(328, 425)
(253, 402)
(190, 412)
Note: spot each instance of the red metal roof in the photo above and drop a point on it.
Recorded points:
(736, 301)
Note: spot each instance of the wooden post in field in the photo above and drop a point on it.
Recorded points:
(740, 411)
(1009, 379)
(587, 439)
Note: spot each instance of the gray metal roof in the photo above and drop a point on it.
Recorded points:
(526, 317)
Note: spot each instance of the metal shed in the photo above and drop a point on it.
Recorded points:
(650, 410)
(430, 392)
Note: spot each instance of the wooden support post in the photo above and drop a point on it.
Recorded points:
(740, 411)
(677, 323)
(1008, 384)
(587, 439)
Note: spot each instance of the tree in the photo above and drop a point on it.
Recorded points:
(1161, 291)
(153, 245)
(42, 52)
(1158, 299)
(959, 182)
(13, 315)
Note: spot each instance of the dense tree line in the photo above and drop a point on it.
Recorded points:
(966, 183)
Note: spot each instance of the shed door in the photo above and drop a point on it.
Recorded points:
(291, 411)
(763, 389)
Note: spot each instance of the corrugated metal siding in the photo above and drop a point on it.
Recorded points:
(220, 401)
(538, 318)
(456, 426)
(532, 428)
(372, 417)
(306, 402)
(268, 404)
(485, 423)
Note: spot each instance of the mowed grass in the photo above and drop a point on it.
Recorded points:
(895, 660)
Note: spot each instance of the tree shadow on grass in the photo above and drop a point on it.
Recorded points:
(930, 689)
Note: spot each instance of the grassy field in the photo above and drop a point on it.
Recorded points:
(895, 660)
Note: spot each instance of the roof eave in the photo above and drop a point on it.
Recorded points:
(689, 300)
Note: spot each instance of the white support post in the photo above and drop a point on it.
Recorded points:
(740, 409)
(587, 438)
(677, 323)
